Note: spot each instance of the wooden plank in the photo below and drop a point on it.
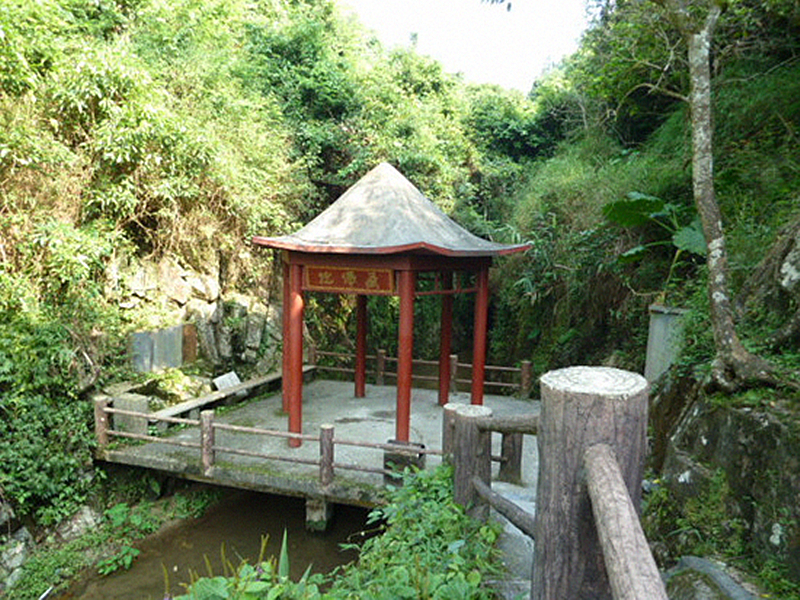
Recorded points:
(196, 403)
(632, 571)
(521, 518)
(526, 424)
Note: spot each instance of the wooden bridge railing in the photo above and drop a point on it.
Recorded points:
(591, 435)
(519, 379)
(208, 448)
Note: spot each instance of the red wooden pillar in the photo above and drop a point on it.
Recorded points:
(406, 282)
(294, 341)
(446, 338)
(361, 346)
(479, 343)
(286, 372)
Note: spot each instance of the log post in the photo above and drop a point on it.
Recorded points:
(380, 367)
(361, 347)
(325, 454)
(525, 378)
(472, 457)
(312, 355)
(581, 407)
(448, 430)
(101, 422)
(207, 441)
(454, 372)
(511, 464)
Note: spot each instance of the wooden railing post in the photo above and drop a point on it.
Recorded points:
(101, 421)
(581, 407)
(312, 355)
(511, 464)
(380, 367)
(207, 441)
(525, 378)
(472, 457)
(325, 454)
(454, 372)
(448, 430)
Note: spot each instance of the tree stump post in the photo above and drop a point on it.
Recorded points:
(448, 430)
(325, 454)
(101, 422)
(380, 368)
(454, 372)
(581, 407)
(472, 457)
(207, 441)
(511, 464)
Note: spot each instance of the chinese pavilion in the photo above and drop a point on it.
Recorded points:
(376, 239)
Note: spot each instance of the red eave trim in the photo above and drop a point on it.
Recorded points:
(324, 249)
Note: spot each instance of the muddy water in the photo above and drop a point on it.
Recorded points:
(237, 523)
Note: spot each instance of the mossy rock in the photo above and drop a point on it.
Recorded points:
(698, 579)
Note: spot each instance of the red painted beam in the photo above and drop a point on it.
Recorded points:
(295, 359)
(405, 354)
(361, 346)
(287, 375)
(445, 339)
(479, 343)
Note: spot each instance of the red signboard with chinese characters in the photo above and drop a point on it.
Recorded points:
(356, 281)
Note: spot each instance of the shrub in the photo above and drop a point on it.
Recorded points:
(429, 548)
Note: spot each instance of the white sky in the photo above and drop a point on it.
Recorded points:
(485, 42)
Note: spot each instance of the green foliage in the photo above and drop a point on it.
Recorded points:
(54, 331)
(121, 560)
(29, 42)
(638, 210)
(704, 526)
(45, 455)
(429, 549)
(85, 92)
(125, 525)
(505, 123)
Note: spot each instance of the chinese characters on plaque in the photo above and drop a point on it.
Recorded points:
(355, 280)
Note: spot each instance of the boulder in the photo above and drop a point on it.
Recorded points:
(758, 451)
(172, 282)
(207, 341)
(81, 522)
(696, 578)
(13, 553)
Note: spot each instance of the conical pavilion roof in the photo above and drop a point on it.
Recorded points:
(384, 213)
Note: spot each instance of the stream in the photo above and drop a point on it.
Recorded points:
(238, 523)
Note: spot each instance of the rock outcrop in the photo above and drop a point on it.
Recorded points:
(757, 451)
(227, 329)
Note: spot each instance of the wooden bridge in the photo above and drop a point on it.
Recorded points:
(345, 456)
(591, 441)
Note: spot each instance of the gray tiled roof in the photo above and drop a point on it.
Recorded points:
(383, 213)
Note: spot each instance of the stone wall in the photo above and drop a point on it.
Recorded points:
(227, 330)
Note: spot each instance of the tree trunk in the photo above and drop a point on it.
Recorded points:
(733, 363)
